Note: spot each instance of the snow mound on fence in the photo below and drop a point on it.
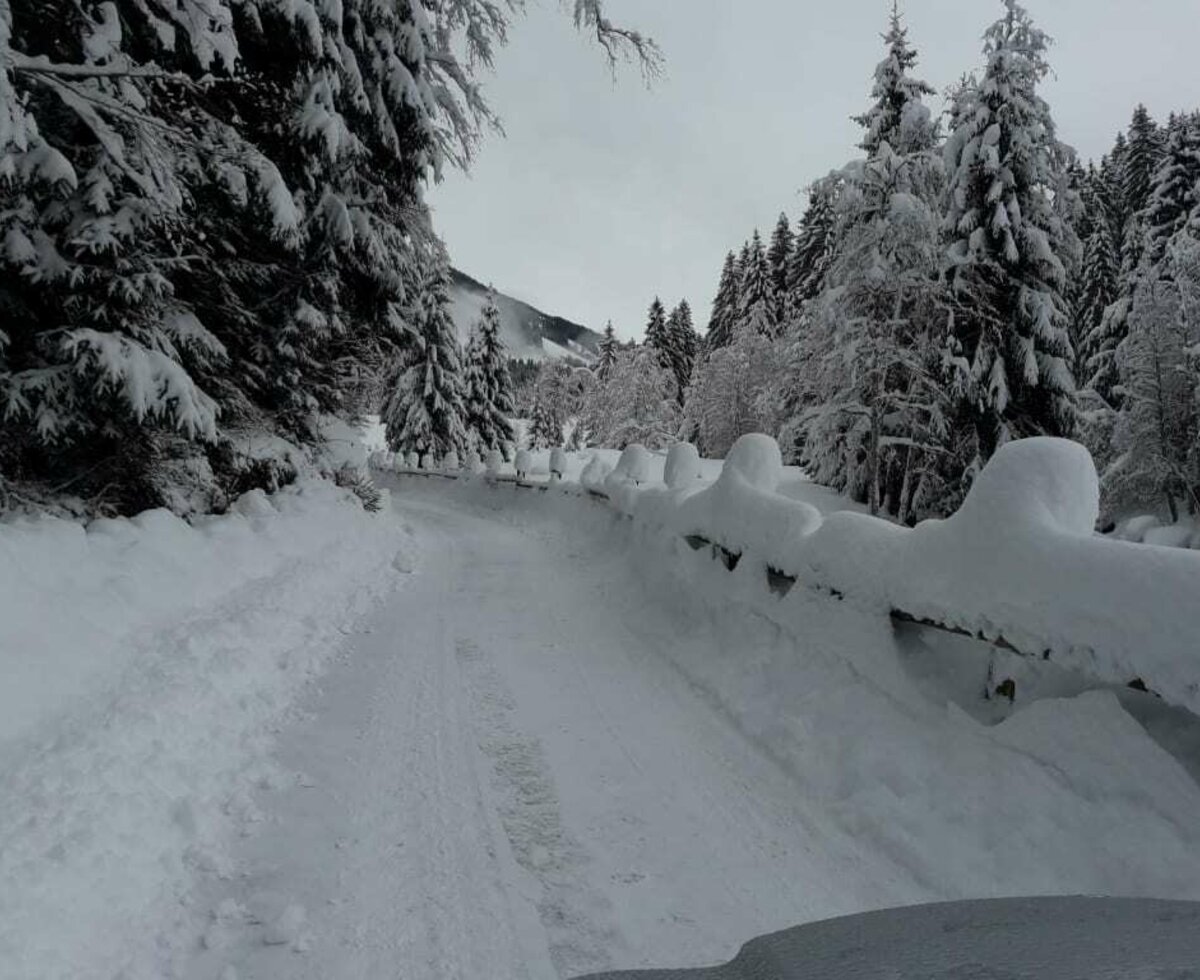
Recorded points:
(143, 662)
(682, 468)
(1019, 561)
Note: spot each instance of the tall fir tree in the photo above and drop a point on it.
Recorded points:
(1011, 351)
(607, 352)
(872, 419)
(423, 408)
(1174, 192)
(724, 307)
(684, 346)
(813, 251)
(779, 254)
(756, 306)
(657, 335)
(899, 116)
(489, 387)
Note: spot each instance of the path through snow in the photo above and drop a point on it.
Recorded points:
(504, 777)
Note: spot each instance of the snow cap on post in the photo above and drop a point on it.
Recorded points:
(558, 462)
(413, 460)
(682, 468)
(495, 459)
(756, 459)
(595, 473)
(472, 464)
(634, 464)
(1040, 482)
(450, 461)
(427, 461)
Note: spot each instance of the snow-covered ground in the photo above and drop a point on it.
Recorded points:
(561, 749)
(563, 743)
(143, 666)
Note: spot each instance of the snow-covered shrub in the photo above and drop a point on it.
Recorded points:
(361, 485)
(558, 462)
(494, 462)
(682, 468)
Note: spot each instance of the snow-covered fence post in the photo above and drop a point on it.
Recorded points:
(450, 462)
(523, 464)
(495, 460)
(427, 461)
(682, 468)
(412, 460)
(558, 463)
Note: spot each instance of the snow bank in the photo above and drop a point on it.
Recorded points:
(142, 662)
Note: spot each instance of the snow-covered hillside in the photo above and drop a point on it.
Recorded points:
(527, 332)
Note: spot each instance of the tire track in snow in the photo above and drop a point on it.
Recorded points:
(576, 918)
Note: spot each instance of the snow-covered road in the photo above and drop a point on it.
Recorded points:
(504, 777)
(561, 747)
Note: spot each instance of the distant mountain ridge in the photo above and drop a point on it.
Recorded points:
(527, 331)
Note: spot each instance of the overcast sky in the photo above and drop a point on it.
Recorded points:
(605, 193)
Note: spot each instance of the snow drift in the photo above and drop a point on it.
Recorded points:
(143, 663)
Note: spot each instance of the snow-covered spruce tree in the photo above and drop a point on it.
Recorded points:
(1097, 291)
(779, 255)
(756, 304)
(559, 393)
(1135, 162)
(815, 243)
(607, 353)
(213, 214)
(636, 404)
(657, 335)
(1008, 242)
(1174, 192)
(1156, 435)
(683, 347)
(724, 307)
(489, 400)
(898, 116)
(423, 407)
(875, 417)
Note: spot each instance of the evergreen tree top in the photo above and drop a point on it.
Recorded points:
(899, 116)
